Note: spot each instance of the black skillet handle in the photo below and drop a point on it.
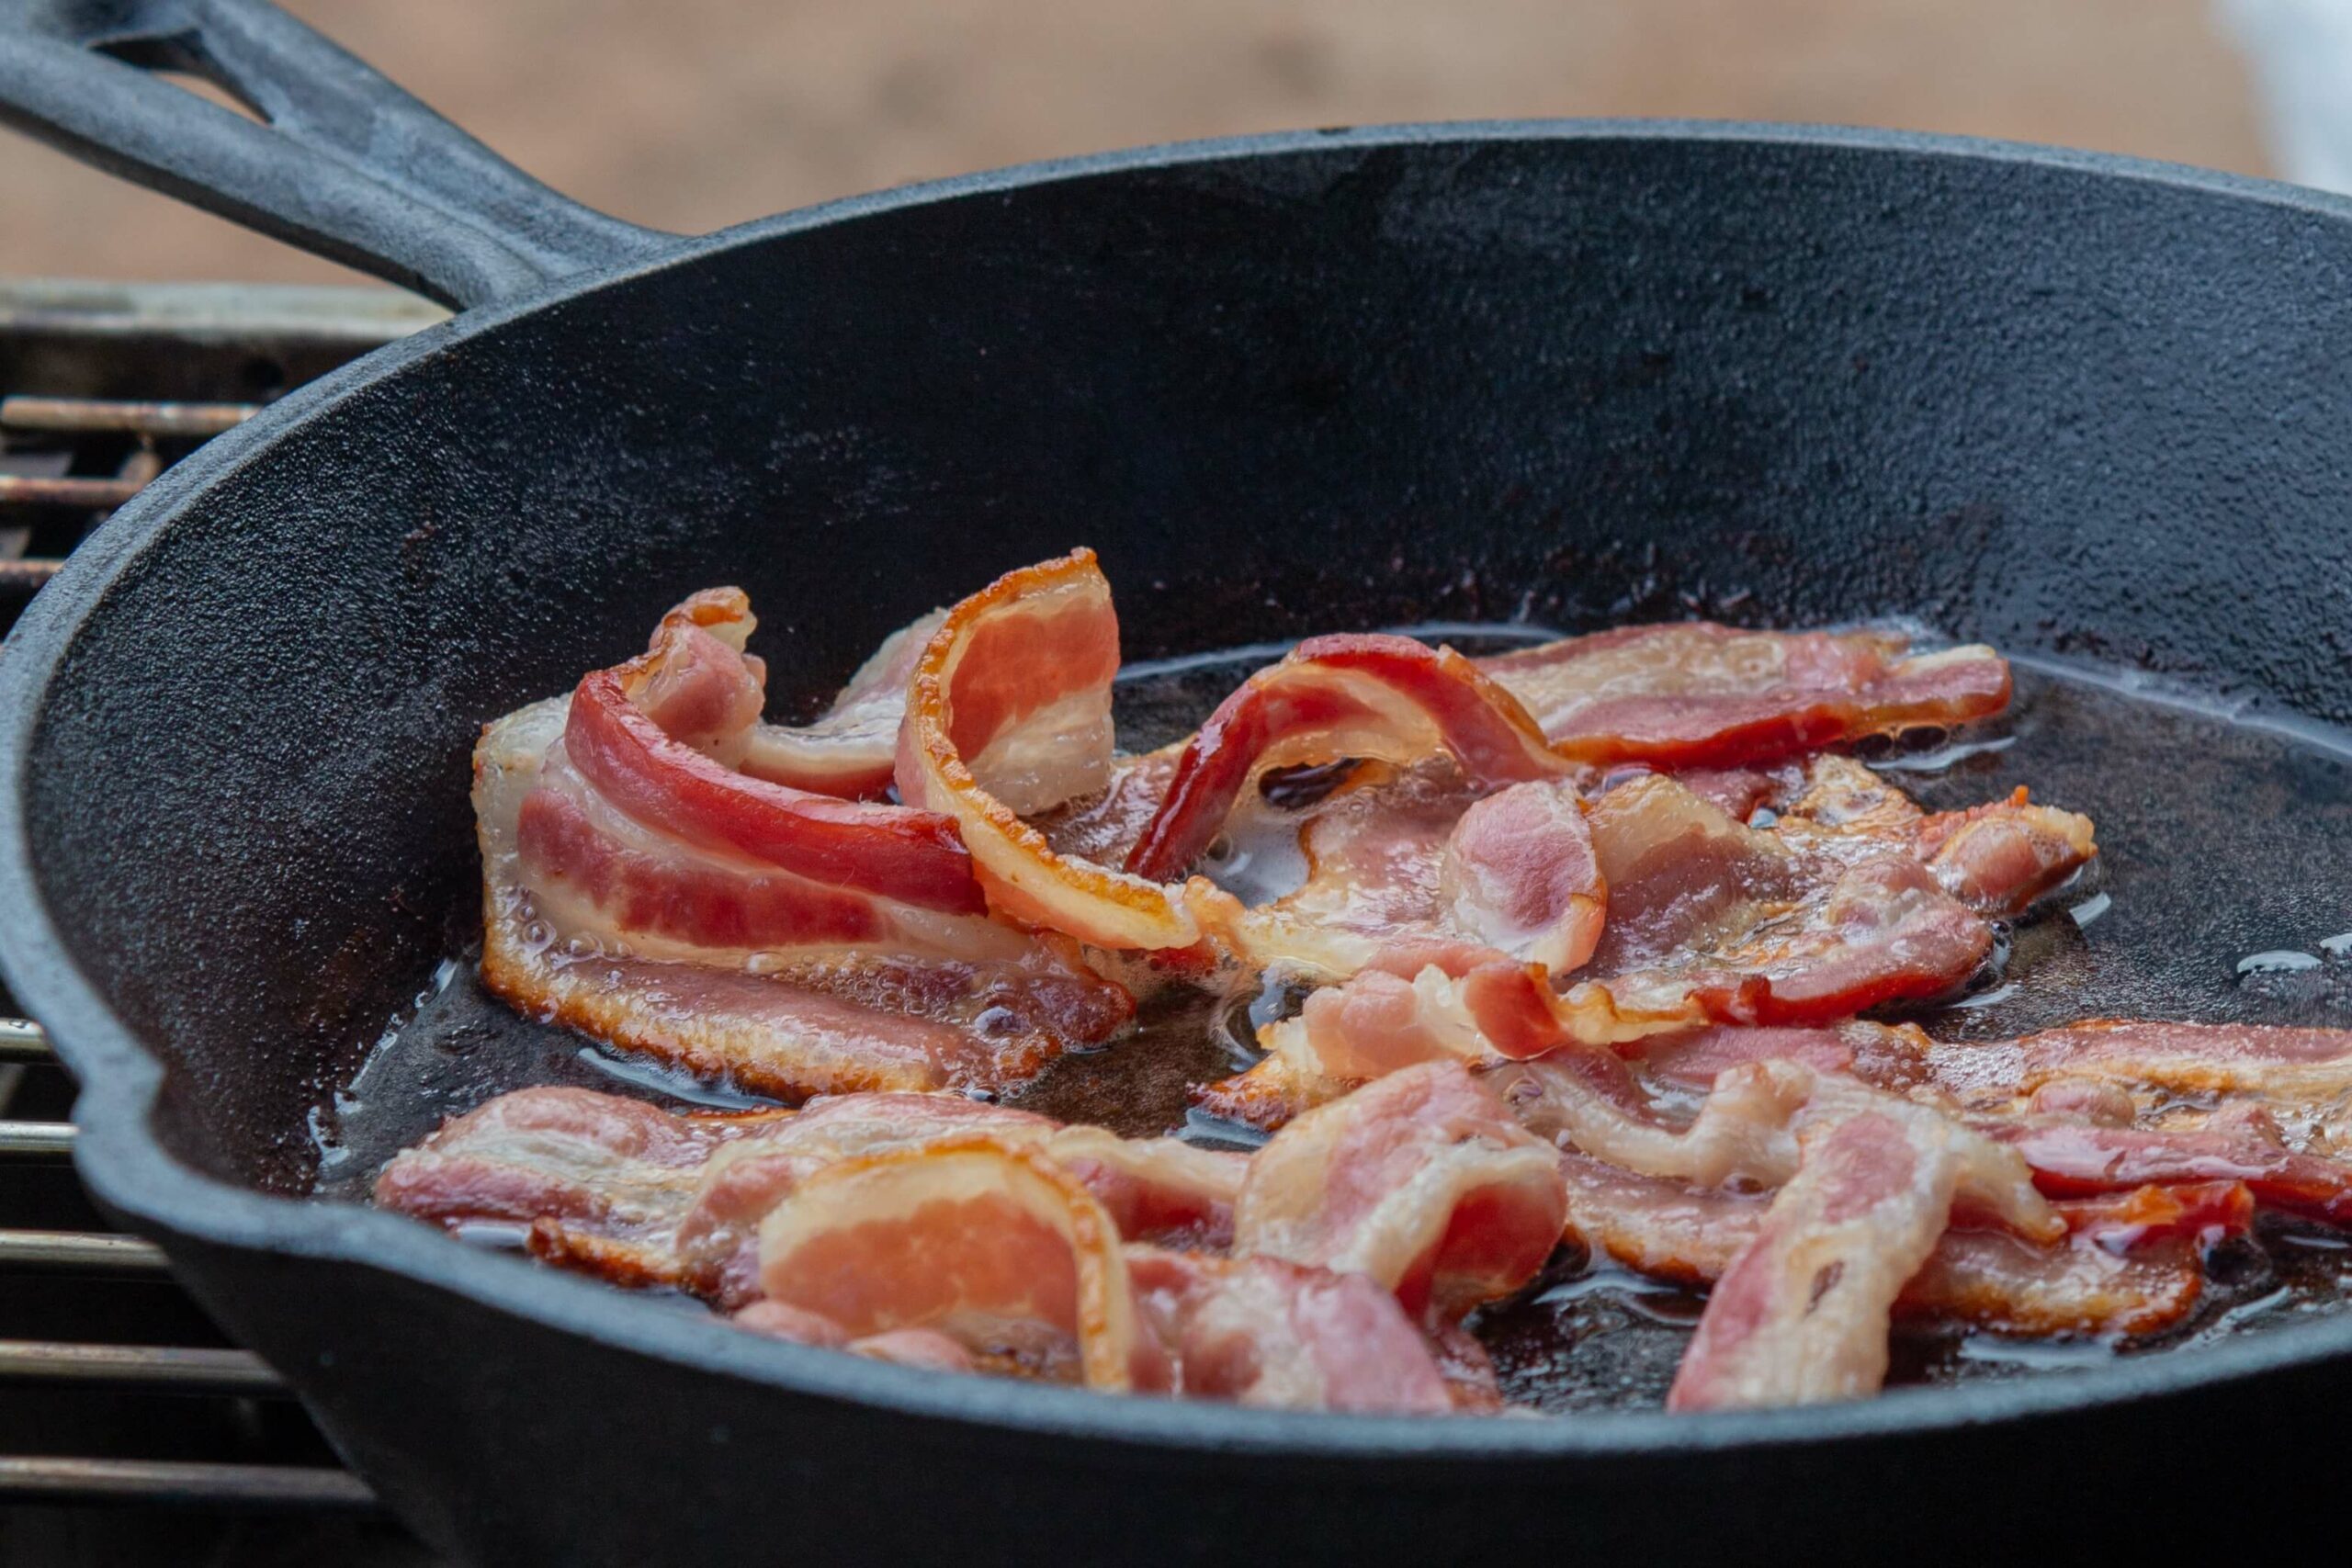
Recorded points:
(346, 164)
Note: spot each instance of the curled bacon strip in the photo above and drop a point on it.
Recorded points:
(1009, 712)
(990, 1244)
(1700, 696)
(1386, 698)
(631, 732)
(1422, 1180)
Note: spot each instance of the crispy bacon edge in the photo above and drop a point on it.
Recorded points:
(1023, 877)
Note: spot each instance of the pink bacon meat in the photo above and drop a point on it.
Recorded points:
(1008, 714)
(1388, 698)
(1700, 696)
(643, 887)
(2128, 1265)
(695, 686)
(1422, 1181)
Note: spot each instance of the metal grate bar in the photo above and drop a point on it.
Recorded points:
(88, 1252)
(71, 414)
(28, 574)
(38, 1140)
(30, 490)
(22, 1039)
(182, 1482)
(153, 1369)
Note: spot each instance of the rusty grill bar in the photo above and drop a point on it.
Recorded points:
(65, 414)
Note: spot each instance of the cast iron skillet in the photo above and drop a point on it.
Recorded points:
(2062, 402)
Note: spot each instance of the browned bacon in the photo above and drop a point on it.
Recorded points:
(1695, 694)
(1386, 698)
(1422, 1181)
(641, 888)
(1008, 714)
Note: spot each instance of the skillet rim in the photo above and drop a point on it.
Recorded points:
(123, 1164)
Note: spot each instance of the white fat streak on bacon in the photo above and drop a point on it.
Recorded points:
(1008, 713)
(906, 1004)
(1802, 1314)
(1750, 1128)
(1995, 1278)
(1696, 695)
(989, 1243)
(655, 1197)
(1422, 1181)
(1263, 1332)
(852, 748)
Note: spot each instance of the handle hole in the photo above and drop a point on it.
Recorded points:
(180, 59)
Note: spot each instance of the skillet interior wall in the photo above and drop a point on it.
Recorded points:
(1568, 380)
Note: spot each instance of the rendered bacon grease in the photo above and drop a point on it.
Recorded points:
(1604, 944)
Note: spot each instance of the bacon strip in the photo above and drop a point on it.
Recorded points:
(1008, 713)
(638, 887)
(1749, 1128)
(2124, 1270)
(632, 732)
(1263, 1332)
(1802, 1313)
(622, 1187)
(1520, 876)
(2070, 1157)
(1700, 696)
(1422, 1181)
(924, 1347)
(988, 1243)
(1387, 698)
(2284, 1067)
(1996, 858)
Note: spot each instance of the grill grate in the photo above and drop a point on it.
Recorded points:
(130, 1432)
(192, 1370)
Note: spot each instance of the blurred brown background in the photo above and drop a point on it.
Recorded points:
(693, 114)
